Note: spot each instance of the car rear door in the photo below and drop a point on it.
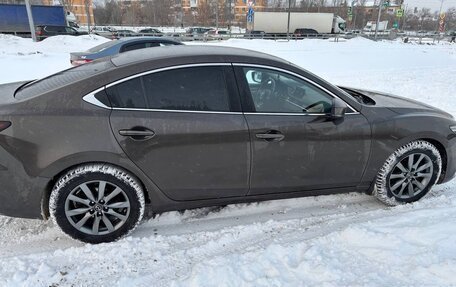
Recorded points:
(184, 128)
(295, 146)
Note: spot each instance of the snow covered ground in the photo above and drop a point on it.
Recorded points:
(337, 240)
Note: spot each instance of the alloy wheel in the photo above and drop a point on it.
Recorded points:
(97, 207)
(411, 175)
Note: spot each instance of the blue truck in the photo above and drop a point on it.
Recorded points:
(13, 17)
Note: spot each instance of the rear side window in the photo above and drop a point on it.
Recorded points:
(195, 89)
(152, 44)
(129, 94)
(52, 29)
(135, 46)
(199, 89)
(102, 47)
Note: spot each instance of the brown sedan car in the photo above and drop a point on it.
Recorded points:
(183, 127)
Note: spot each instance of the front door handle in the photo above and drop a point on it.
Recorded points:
(138, 133)
(271, 136)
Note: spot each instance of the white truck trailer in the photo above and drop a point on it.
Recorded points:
(370, 26)
(277, 22)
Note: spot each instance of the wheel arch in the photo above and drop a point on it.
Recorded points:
(376, 163)
(443, 154)
(434, 138)
(45, 213)
(407, 174)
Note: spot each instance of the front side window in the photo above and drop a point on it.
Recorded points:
(164, 44)
(276, 92)
(152, 44)
(70, 30)
(194, 89)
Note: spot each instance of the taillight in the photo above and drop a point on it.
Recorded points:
(80, 61)
(4, 125)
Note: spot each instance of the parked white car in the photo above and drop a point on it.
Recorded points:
(215, 34)
(104, 31)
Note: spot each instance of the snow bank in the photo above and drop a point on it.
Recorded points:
(391, 251)
(22, 59)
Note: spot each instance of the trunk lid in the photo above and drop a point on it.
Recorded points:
(7, 91)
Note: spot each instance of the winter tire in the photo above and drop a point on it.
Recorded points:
(97, 203)
(409, 173)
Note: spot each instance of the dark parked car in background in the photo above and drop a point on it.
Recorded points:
(150, 32)
(124, 33)
(181, 127)
(253, 34)
(196, 33)
(302, 33)
(45, 31)
(119, 46)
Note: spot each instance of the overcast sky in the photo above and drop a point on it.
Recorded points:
(433, 4)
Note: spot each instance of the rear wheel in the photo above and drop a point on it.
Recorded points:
(409, 173)
(97, 203)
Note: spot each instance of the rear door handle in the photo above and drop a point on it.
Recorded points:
(137, 133)
(271, 136)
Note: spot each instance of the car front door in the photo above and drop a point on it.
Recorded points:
(295, 145)
(184, 128)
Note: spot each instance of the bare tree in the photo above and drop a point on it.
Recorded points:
(424, 14)
(204, 12)
(134, 14)
(450, 19)
(109, 12)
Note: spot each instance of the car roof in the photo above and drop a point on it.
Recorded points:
(46, 25)
(216, 53)
(118, 43)
(144, 38)
(149, 29)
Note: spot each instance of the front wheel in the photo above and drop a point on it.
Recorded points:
(409, 173)
(97, 203)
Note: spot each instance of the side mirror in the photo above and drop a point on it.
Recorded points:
(338, 109)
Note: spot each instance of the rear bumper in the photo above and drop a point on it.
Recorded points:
(20, 194)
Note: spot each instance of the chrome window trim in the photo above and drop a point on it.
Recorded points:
(353, 110)
(90, 98)
(176, 111)
(165, 69)
(290, 114)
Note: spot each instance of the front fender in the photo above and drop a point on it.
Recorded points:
(391, 130)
